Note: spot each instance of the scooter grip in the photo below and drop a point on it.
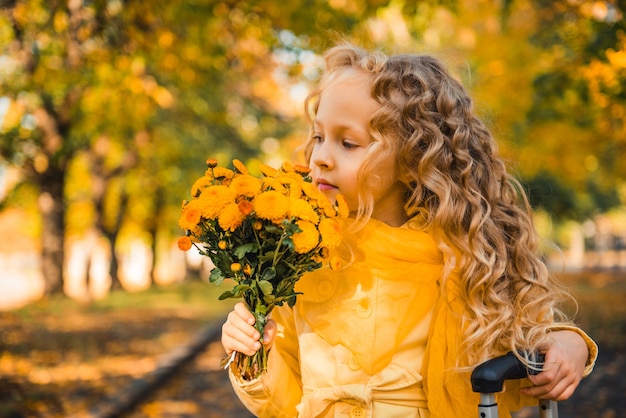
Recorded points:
(489, 376)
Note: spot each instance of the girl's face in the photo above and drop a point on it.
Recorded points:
(341, 141)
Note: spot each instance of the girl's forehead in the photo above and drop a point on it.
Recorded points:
(349, 75)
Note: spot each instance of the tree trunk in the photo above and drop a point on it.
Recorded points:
(114, 265)
(52, 207)
(153, 230)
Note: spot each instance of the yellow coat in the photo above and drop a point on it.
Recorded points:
(375, 339)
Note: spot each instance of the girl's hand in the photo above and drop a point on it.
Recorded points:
(239, 334)
(563, 369)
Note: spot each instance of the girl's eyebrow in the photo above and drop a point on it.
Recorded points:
(342, 127)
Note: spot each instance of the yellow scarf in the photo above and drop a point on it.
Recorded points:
(396, 272)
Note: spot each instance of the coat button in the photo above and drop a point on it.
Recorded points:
(353, 364)
(357, 412)
(364, 308)
(324, 288)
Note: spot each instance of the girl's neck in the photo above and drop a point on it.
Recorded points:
(394, 216)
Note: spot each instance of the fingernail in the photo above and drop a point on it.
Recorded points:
(257, 345)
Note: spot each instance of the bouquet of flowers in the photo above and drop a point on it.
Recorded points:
(264, 233)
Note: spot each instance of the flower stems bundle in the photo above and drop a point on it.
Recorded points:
(262, 232)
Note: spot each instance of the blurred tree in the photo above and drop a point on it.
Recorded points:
(143, 88)
(549, 77)
(138, 93)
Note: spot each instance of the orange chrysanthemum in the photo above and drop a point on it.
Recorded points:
(306, 240)
(301, 209)
(271, 205)
(268, 171)
(335, 263)
(293, 185)
(245, 207)
(246, 185)
(311, 191)
(342, 206)
(213, 199)
(331, 232)
(200, 184)
(240, 167)
(230, 217)
(184, 243)
(223, 173)
(286, 167)
(301, 169)
(190, 216)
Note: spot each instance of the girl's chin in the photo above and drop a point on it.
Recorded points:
(328, 191)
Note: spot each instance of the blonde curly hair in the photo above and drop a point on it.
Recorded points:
(455, 179)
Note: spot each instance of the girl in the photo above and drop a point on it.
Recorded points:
(440, 269)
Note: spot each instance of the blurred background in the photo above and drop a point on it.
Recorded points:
(109, 109)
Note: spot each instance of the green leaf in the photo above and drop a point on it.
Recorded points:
(228, 294)
(273, 229)
(216, 277)
(268, 274)
(241, 251)
(266, 287)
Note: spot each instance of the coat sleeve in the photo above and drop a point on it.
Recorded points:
(591, 346)
(276, 392)
(447, 383)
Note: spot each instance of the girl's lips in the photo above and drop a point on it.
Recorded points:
(324, 187)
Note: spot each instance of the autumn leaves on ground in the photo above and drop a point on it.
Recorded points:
(59, 358)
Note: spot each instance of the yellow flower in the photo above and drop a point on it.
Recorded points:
(301, 169)
(196, 231)
(292, 184)
(184, 243)
(247, 269)
(272, 183)
(230, 217)
(213, 199)
(286, 167)
(222, 172)
(190, 216)
(222, 245)
(245, 185)
(240, 167)
(331, 232)
(268, 171)
(235, 267)
(245, 207)
(271, 205)
(200, 184)
(306, 240)
(211, 162)
(335, 263)
(311, 191)
(342, 206)
(326, 206)
(301, 209)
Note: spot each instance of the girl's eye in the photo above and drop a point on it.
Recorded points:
(349, 145)
(317, 138)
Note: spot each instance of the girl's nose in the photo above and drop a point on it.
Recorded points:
(321, 156)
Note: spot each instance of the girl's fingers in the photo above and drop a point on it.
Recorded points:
(269, 333)
(238, 332)
(244, 313)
